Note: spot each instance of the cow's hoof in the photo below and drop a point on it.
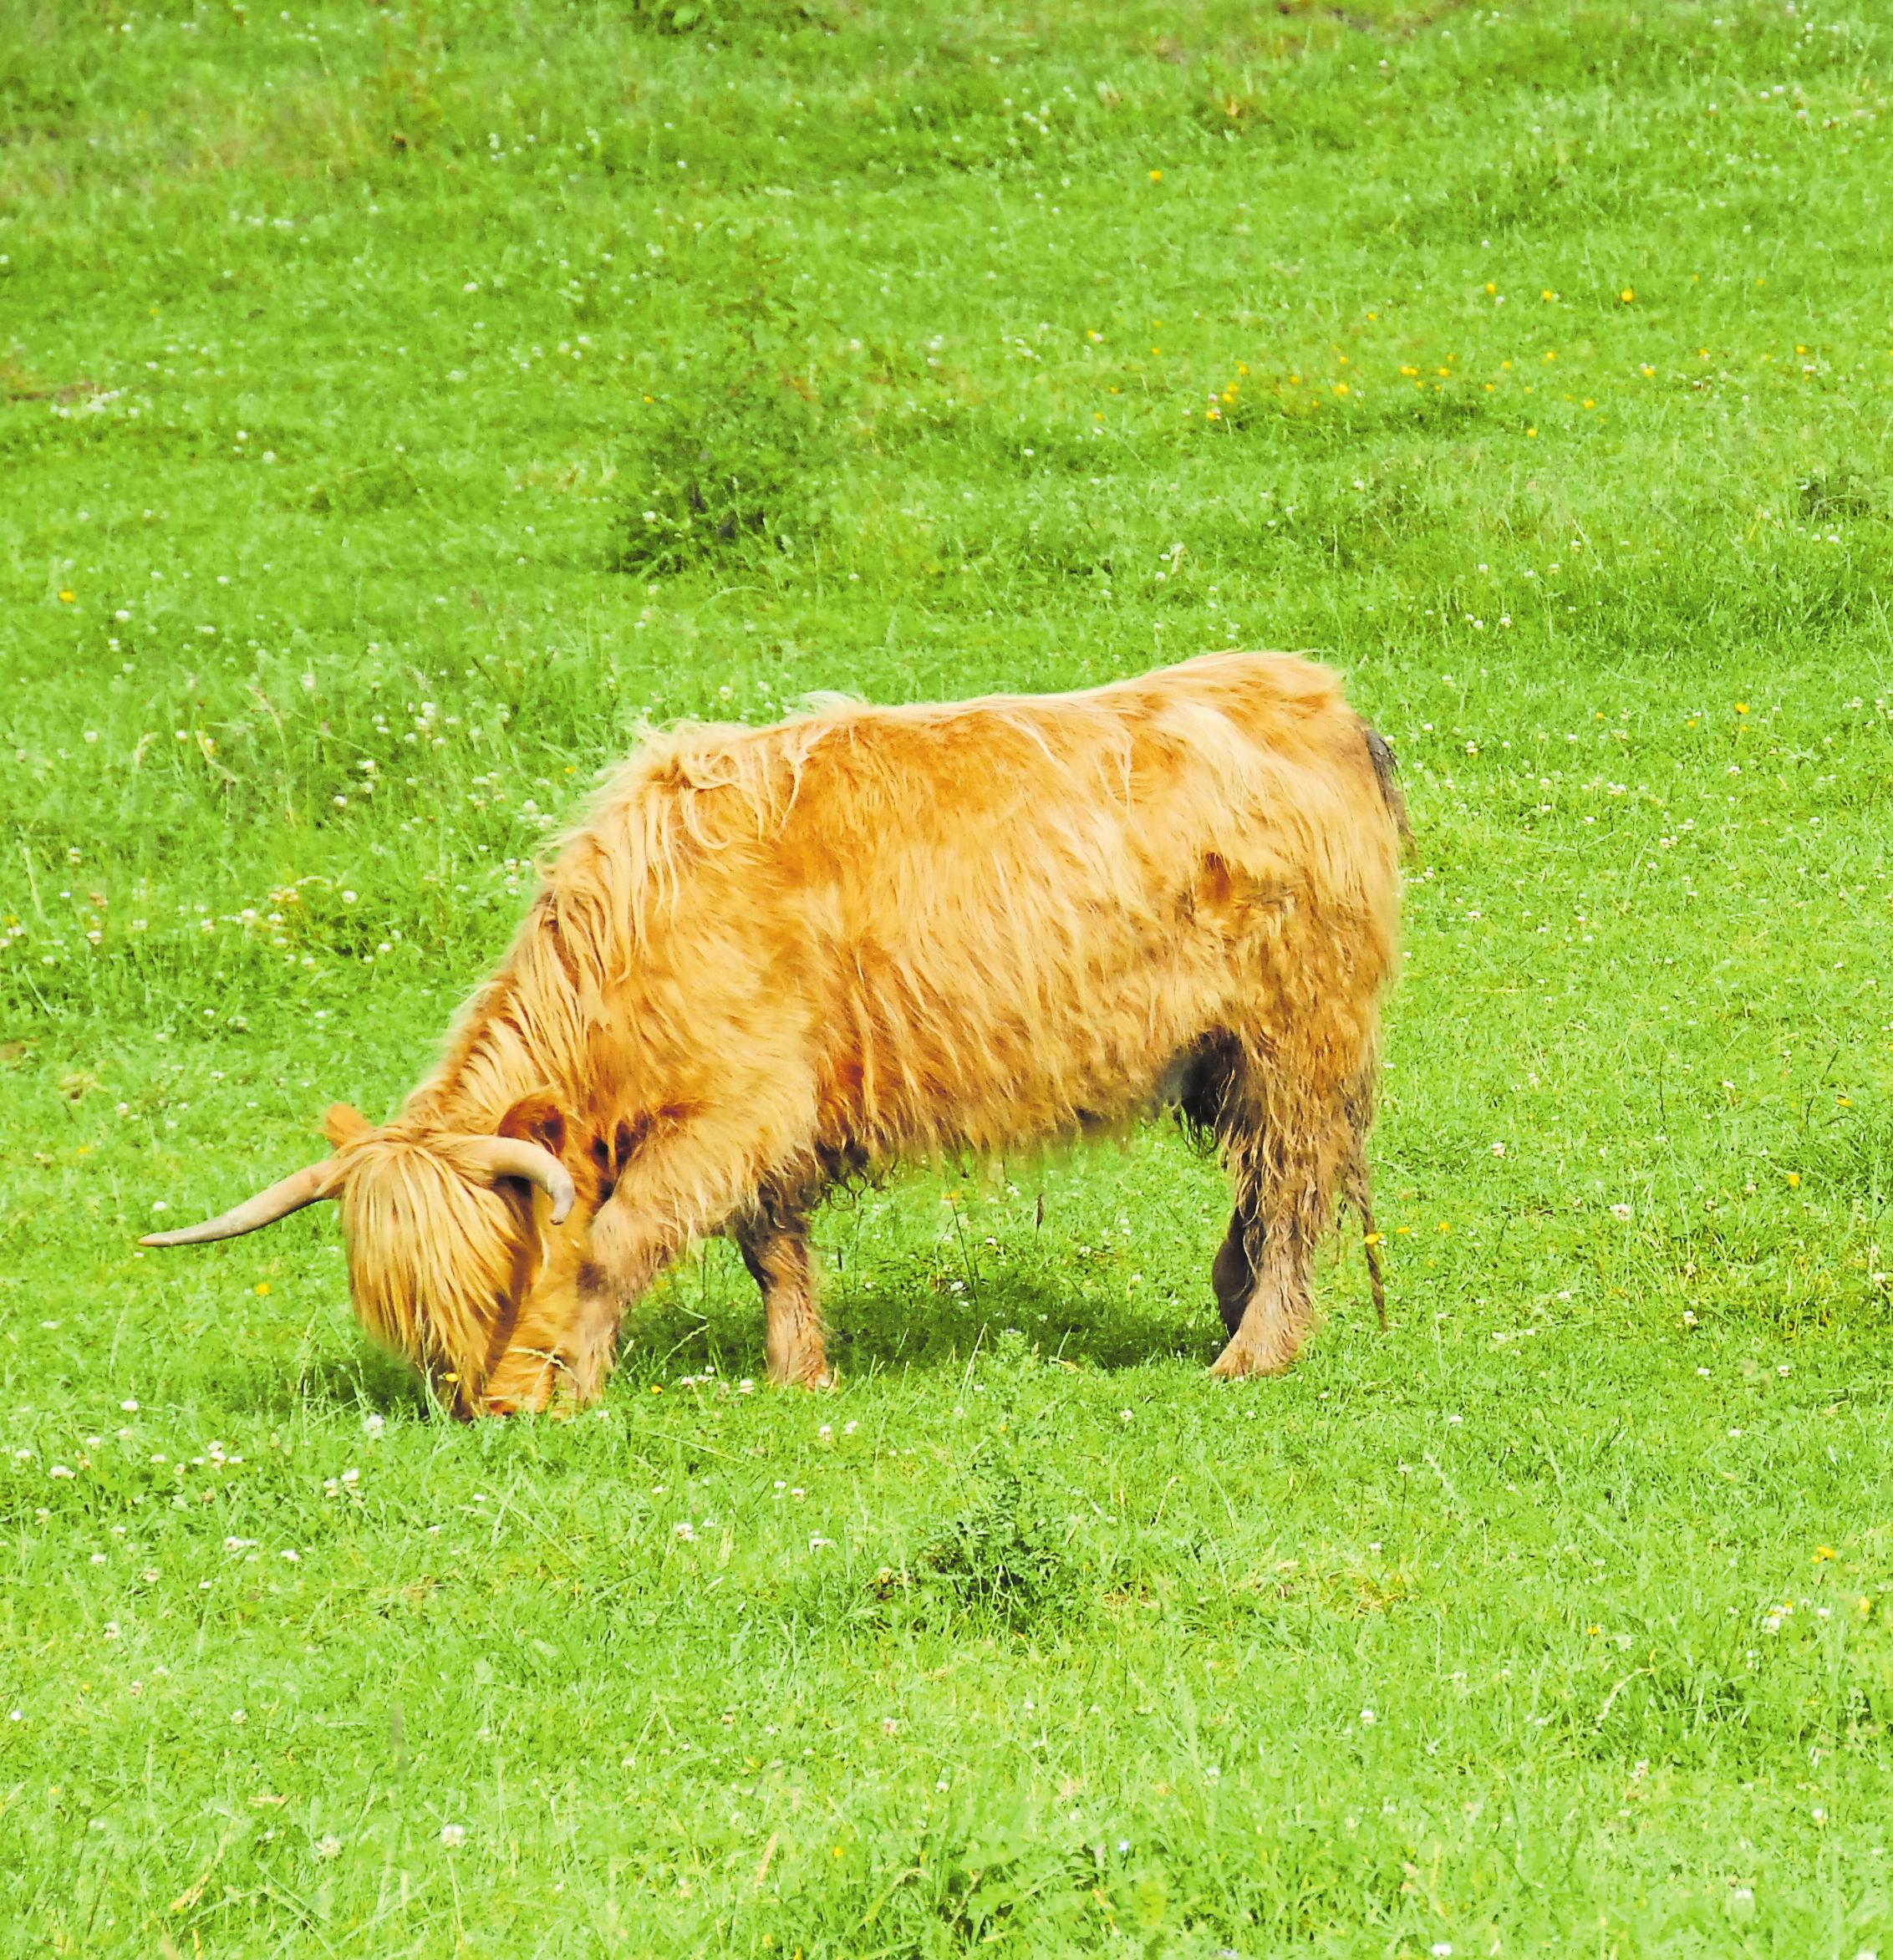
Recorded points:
(1241, 1359)
(815, 1375)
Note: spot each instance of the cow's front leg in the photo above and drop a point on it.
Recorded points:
(556, 1361)
(772, 1235)
(560, 1351)
(675, 1190)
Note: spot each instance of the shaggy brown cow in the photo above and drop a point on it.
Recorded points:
(777, 956)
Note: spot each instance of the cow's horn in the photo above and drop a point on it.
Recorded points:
(513, 1157)
(304, 1187)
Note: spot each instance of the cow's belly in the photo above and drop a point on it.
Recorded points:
(991, 1070)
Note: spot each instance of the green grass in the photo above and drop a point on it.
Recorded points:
(344, 353)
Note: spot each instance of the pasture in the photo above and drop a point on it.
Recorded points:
(398, 404)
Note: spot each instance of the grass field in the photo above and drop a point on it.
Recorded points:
(402, 402)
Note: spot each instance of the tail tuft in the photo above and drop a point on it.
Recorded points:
(1358, 1192)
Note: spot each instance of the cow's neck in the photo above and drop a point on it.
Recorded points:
(518, 1035)
(490, 1064)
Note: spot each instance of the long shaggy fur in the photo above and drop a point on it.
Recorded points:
(869, 934)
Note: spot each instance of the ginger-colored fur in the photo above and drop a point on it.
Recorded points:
(774, 955)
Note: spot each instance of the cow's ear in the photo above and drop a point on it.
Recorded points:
(342, 1125)
(535, 1119)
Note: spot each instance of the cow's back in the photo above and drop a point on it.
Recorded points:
(976, 924)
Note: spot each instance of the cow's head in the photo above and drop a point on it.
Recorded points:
(447, 1234)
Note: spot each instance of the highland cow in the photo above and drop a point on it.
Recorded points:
(777, 957)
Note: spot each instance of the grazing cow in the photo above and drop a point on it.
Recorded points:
(774, 957)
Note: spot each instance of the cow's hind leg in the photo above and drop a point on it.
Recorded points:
(1291, 1150)
(1211, 1102)
(1274, 1319)
(1232, 1273)
(771, 1232)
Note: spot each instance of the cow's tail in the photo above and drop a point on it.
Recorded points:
(1386, 774)
(1357, 1185)
(1356, 1189)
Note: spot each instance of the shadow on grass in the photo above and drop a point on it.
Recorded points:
(919, 1325)
(369, 1380)
(679, 1331)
